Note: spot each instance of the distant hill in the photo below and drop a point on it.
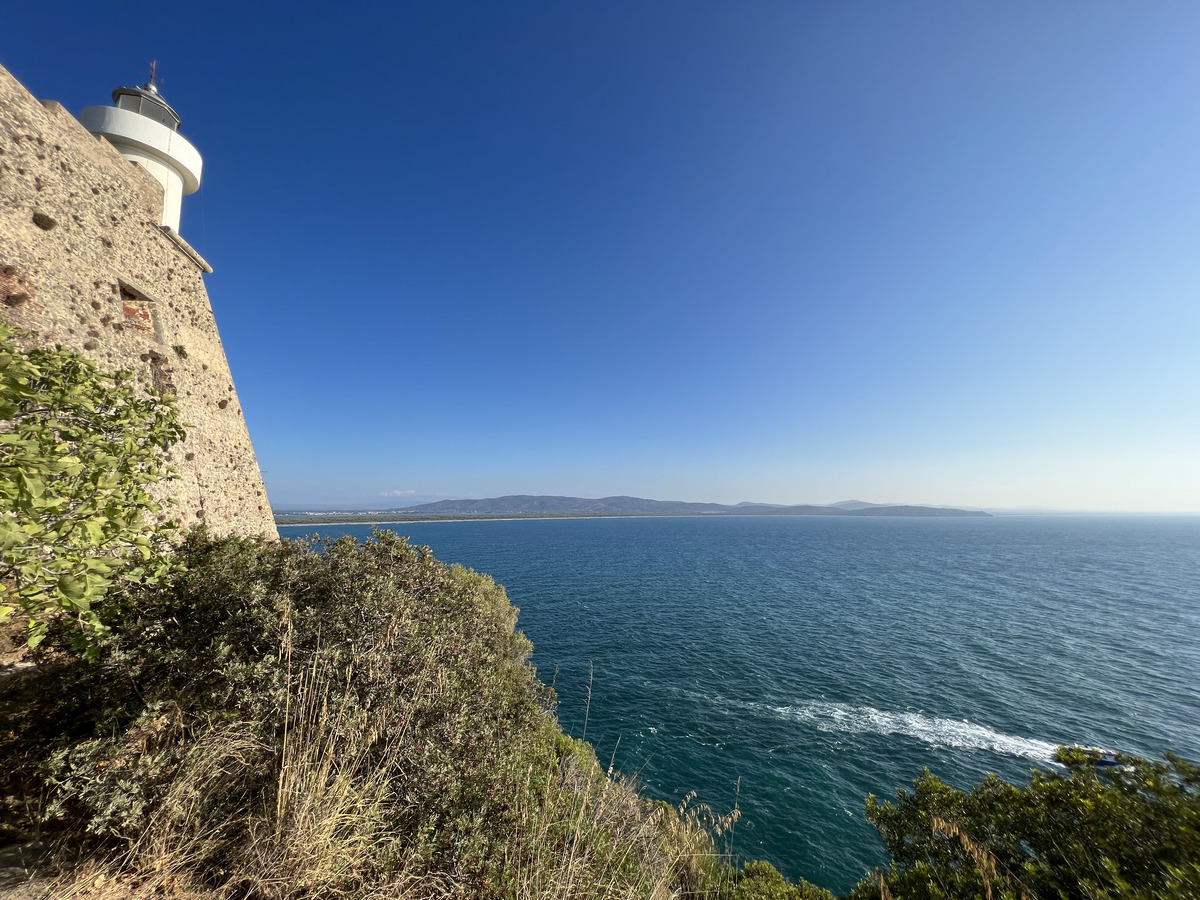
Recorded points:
(527, 504)
(928, 511)
(531, 505)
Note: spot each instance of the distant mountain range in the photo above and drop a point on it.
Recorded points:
(531, 505)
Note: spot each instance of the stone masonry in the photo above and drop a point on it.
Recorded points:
(84, 263)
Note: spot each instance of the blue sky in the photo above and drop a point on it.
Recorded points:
(775, 251)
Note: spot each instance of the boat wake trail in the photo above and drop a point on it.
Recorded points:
(954, 734)
(938, 732)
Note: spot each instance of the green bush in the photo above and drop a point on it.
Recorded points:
(1091, 831)
(417, 667)
(78, 451)
(760, 880)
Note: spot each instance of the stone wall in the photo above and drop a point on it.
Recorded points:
(84, 263)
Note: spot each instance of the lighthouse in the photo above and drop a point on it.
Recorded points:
(145, 130)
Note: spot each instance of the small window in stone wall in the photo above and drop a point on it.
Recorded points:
(139, 312)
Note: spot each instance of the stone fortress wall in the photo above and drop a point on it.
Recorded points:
(84, 263)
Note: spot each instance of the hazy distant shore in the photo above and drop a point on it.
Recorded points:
(529, 506)
(393, 519)
(400, 519)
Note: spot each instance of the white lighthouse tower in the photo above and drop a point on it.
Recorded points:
(144, 128)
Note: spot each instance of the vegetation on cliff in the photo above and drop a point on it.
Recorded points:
(1121, 828)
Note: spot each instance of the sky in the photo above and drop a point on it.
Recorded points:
(779, 251)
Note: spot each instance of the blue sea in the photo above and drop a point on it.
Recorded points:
(794, 665)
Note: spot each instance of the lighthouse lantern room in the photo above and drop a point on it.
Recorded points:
(145, 129)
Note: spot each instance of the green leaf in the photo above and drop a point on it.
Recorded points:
(72, 588)
(81, 447)
(36, 633)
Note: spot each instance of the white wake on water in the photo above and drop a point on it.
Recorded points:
(939, 732)
(956, 734)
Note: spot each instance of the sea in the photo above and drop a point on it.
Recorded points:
(793, 665)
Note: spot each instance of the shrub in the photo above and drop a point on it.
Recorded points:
(377, 658)
(1092, 831)
(78, 450)
(760, 880)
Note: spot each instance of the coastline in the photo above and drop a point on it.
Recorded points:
(290, 521)
(382, 519)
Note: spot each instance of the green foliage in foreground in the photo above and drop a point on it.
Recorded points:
(373, 659)
(78, 449)
(759, 880)
(274, 721)
(1090, 832)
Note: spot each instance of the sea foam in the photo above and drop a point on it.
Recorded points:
(933, 730)
(936, 731)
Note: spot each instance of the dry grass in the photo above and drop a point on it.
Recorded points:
(329, 818)
(317, 839)
(185, 836)
(595, 836)
(590, 835)
(986, 864)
